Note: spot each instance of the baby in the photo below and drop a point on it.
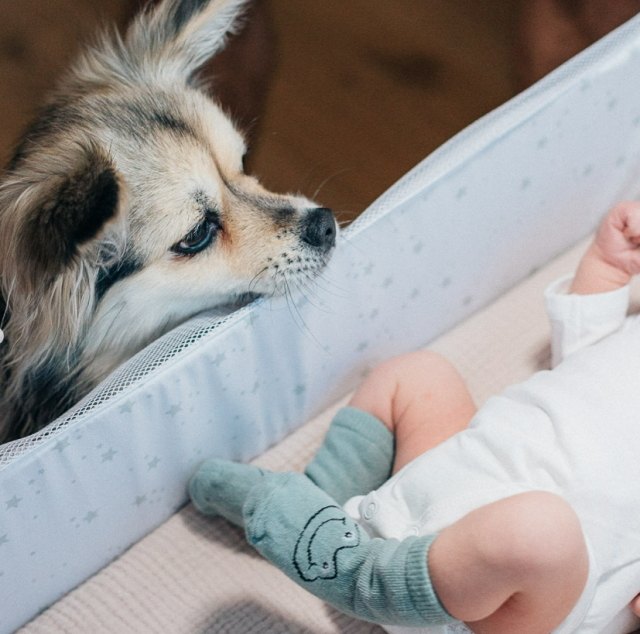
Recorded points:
(522, 517)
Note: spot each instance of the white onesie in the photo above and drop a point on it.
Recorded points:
(573, 431)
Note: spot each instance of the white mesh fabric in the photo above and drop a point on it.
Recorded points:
(122, 380)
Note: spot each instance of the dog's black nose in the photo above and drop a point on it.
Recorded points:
(319, 228)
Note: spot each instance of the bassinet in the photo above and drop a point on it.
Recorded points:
(479, 215)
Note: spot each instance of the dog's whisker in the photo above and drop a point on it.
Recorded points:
(295, 312)
(315, 302)
(316, 282)
(347, 240)
(307, 293)
(322, 279)
(329, 179)
(256, 277)
(310, 291)
(321, 282)
(324, 282)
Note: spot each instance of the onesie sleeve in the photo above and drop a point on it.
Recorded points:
(582, 320)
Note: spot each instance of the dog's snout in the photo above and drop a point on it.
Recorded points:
(320, 228)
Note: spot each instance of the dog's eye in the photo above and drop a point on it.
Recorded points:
(199, 238)
(244, 161)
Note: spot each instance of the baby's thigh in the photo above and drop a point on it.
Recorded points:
(518, 564)
(419, 382)
(421, 398)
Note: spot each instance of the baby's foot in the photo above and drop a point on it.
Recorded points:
(356, 456)
(220, 487)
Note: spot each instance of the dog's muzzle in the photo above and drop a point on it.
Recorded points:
(319, 229)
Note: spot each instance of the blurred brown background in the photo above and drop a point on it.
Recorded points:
(342, 97)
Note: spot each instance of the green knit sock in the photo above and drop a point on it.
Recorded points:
(303, 532)
(355, 457)
(220, 487)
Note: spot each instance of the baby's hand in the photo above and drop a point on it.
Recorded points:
(614, 256)
(618, 237)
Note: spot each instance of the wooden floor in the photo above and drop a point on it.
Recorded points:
(363, 90)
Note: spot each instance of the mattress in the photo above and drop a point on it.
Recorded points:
(487, 210)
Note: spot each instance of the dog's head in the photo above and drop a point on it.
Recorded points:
(126, 208)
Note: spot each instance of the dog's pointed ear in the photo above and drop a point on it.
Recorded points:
(179, 36)
(67, 209)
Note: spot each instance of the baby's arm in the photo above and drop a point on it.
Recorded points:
(593, 305)
(614, 255)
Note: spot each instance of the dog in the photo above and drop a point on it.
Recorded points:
(126, 209)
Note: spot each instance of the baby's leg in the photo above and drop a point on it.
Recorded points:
(517, 565)
(406, 405)
(355, 457)
(420, 397)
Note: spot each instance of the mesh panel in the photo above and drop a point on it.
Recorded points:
(125, 378)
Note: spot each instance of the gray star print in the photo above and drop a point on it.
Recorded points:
(219, 359)
(61, 445)
(13, 502)
(91, 515)
(108, 455)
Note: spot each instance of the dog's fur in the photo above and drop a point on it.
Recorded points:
(126, 209)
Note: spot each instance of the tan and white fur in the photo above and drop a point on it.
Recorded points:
(126, 210)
